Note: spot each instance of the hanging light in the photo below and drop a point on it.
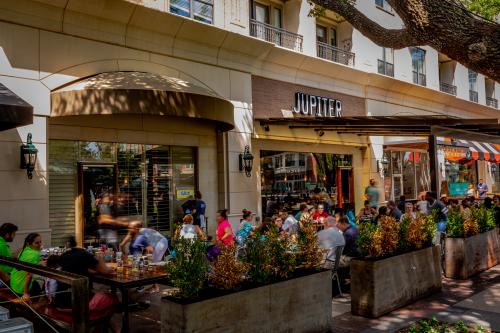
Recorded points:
(28, 156)
(246, 161)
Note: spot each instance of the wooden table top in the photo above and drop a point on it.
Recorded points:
(129, 280)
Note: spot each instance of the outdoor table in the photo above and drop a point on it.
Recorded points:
(124, 283)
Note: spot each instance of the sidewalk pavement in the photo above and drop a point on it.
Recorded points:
(475, 302)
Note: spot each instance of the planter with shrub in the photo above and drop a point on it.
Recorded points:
(398, 265)
(472, 244)
(274, 285)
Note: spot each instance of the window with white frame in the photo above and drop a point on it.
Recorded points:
(200, 10)
(384, 5)
(386, 61)
(418, 65)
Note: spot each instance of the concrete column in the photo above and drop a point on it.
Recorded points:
(434, 164)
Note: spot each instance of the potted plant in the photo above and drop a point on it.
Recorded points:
(246, 289)
(472, 244)
(398, 265)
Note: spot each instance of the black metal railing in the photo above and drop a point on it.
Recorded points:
(473, 96)
(448, 88)
(335, 54)
(493, 102)
(419, 78)
(276, 35)
(385, 68)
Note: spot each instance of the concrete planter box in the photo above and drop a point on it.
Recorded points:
(302, 304)
(381, 286)
(468, 256)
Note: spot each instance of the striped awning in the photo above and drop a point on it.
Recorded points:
(477, 150)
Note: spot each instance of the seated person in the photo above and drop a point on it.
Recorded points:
(290, 224)
(7, 235)
(350, 236)
(367, 213)
(188, 230)
(330, 238)
(78, 261)
(20, 281)
(51, 284)
(320, 215)
(246, 227)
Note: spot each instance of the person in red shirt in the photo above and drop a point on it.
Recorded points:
(320, 215)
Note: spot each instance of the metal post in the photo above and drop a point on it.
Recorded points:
(434, 164)
(80, 302)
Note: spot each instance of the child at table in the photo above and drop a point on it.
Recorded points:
(51, 284)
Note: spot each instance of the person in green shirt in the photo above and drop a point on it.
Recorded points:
(7, 235)
(21, 281)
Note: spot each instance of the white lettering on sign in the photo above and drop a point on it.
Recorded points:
(317, 106)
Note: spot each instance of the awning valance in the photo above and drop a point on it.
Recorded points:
(142, 93)
(14, 111)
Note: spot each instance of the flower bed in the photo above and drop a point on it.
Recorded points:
(473, 243)
(433, 325)
(398, 265)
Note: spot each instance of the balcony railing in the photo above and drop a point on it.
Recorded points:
(473, 96)
(448, 88)
(493, 102)
(419, 78)
(385, 68)
(276, 35)
(335, 54)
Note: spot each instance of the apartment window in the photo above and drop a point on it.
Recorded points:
(278, 162)
(418, 64)
(290, 160)
(383, 4)
(321, 34)
(302, 159)
(473, 96)
(386, 62)
(200, 10)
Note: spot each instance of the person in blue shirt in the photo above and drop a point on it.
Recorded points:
(199, 211)
(246, 227)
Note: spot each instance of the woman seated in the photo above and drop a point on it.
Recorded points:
(367, 213)
(409, 212)
(20, 281)
(246, 228)
(188, 230)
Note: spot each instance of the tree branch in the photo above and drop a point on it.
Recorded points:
(393, 38)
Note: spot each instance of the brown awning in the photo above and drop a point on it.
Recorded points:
(142, 93)
(484, 130)
(14, 111)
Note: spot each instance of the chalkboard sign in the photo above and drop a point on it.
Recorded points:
(458, 189)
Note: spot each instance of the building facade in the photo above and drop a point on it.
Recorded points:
(131, 99)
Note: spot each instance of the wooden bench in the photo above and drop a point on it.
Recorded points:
(77, 320)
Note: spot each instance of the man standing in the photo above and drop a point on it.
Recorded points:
(144, 240)
(482, 189)
(371, 193)
(199, 211)
(7, 235)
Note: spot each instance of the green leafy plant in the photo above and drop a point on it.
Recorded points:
(365, 238)
(258, 258)
(227, 271)
(455, 225)
(311, 255)
(188, 270)
(404, 244)
(283, 260)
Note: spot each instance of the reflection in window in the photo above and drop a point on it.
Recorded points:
(312, 179)
(200, 10)
(409, 175)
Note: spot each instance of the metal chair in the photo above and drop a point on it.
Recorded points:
(333, 256)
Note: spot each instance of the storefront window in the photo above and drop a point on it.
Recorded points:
(306, 177)
(406, 174)
(495, 173)
(145, 182)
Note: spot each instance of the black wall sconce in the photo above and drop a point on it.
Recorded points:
(383, 163)
(246, 161)
(28, 156)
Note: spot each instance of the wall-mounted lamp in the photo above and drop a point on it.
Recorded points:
(28, 156)
(246, 161)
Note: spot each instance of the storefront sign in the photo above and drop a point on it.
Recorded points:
(456, 153)
(458, 189)
(317, 106)
(184, 194)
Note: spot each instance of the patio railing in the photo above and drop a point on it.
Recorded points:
(335, 54)
(473, 96)
(276, 35)
(448, 88)
(493, 102)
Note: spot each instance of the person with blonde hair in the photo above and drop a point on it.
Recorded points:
(188, 230)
